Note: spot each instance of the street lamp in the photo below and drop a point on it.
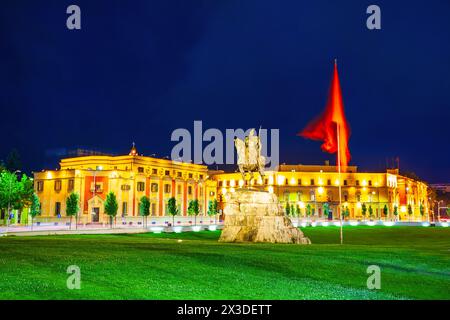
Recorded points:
(438, 209)
(9, 200)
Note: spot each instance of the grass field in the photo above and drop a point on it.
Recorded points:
(414, 262)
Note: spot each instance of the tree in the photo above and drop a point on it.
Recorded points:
(292, 210)
(326, 209)
(288, 209)
(364, 210)
(72, 207)
(410, 211)
(370, 211)
(111, 206)
(422, 210)
(35, 208)
(173, 209)
(13, 162)
(297, 212)
(212, 208)
(308, 210)
(395, 213)
(345, 212)
(15, 194)
(144, 208)
(193, 209)
(385, 211)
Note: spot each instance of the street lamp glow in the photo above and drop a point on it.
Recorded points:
(320, 190)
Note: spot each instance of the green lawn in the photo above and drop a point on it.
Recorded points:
(414, 262)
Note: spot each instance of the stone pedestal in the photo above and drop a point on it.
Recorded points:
(256, 216)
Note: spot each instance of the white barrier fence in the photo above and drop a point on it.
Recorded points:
(64, 223)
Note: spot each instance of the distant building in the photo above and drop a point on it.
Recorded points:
(314, 186)
(441, 187)
(130, 177)
(307, 186)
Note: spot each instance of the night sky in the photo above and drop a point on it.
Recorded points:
(137, 70)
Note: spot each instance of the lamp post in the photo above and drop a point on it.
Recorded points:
(9, 200)
(93, 191)
(438, 209)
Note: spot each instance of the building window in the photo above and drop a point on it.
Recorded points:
(179, 189)
(124, 208)
(98, 187)
(153, 209)
(70, 185)
(345, 183)
(141, 186)
(286, 181)
(167, 172)
(57, 208)
(266, 181)
(179, 174)
(345, 197)
(125, 187)
(190, 175)
(220, 183)
(57, 185)
(40, 186)
(358, 197)
(154, 187)
(370, 182)
(167, 188)
(154, 171)
(201, 176)
(357, 182)
(141, 169)
(212, 193)
(299, 182)
(329, 182)
(189, 190)
(312, 182)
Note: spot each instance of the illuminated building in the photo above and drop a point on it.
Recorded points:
(129, 177)
(316, 185)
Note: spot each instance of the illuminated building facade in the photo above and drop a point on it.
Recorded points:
(316, 186)
(311, 187)
(129, 177)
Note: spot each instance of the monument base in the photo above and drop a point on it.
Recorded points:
(256, 216)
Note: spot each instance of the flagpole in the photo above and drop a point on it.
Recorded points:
(340, 181)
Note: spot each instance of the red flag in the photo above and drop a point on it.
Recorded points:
(332, 125)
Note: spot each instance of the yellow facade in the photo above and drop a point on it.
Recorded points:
(303, 185)
(130, 177)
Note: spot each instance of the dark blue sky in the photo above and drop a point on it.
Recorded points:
(139, 69)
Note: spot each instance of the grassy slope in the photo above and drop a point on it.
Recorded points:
(414, 261)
